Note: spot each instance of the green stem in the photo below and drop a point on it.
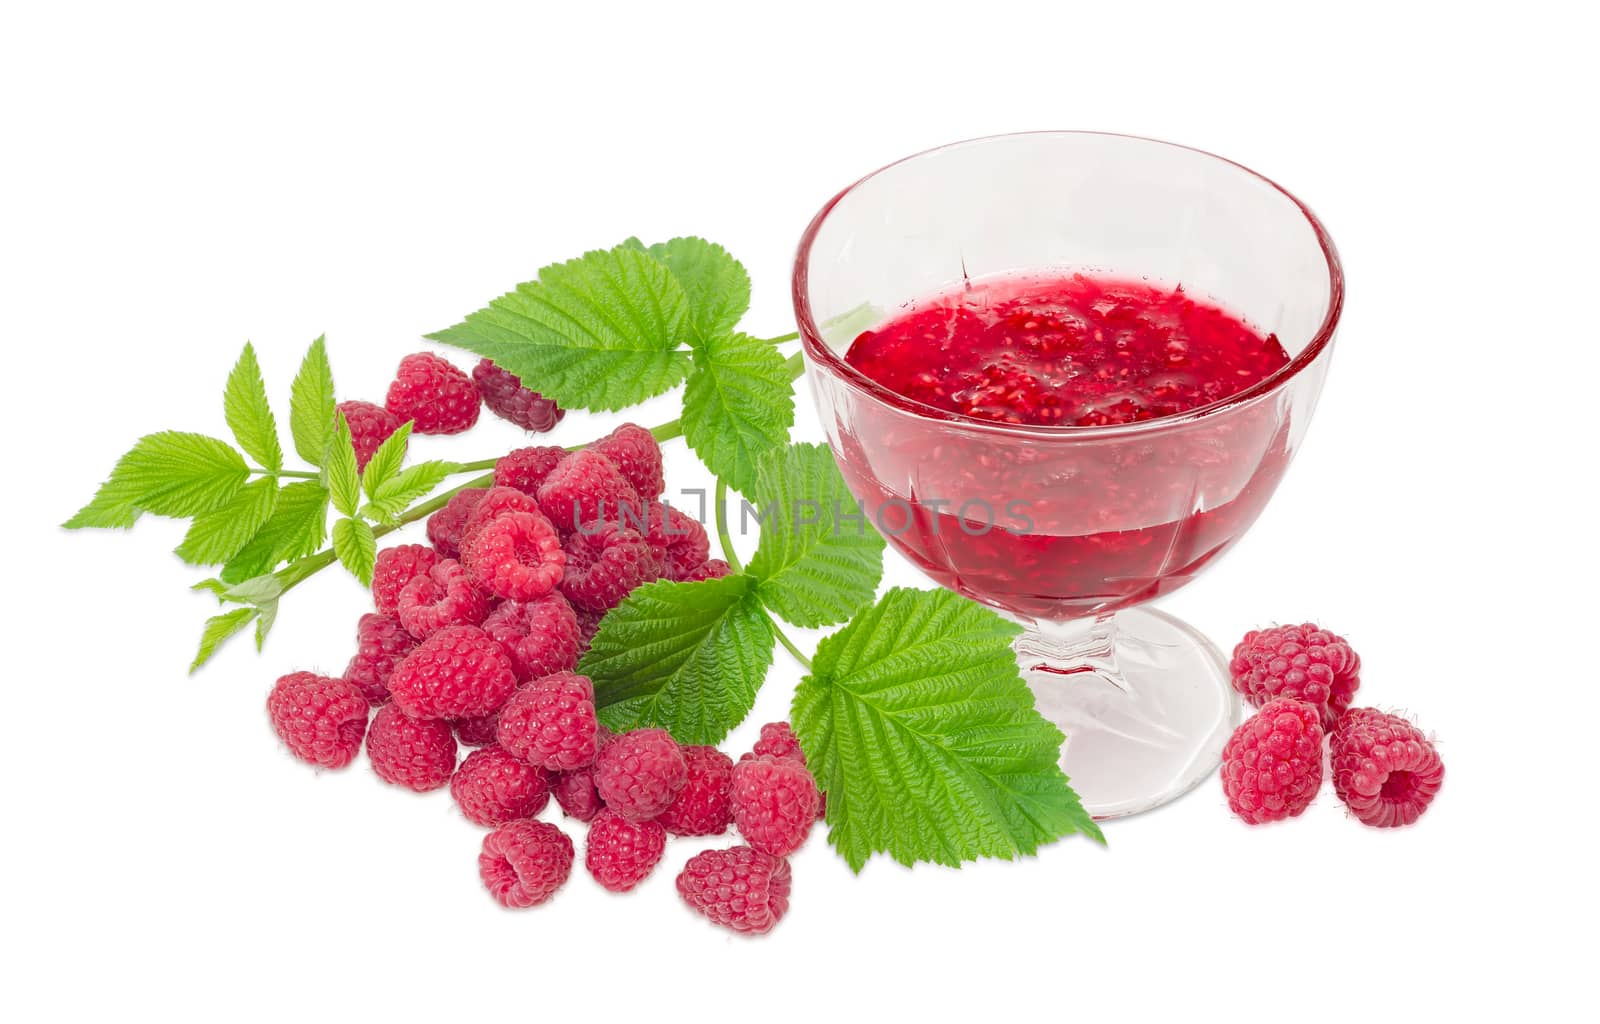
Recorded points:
(785, 641)
(297, 474)
(783, 339)
(726, 540)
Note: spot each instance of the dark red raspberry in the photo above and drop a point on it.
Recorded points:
(444, 596)
(524, 863)
(517, 555)
(711, 569)
(417, 753)
(634, 450)
(1304, 662)
(550, 722)
(741, 888)
(680, 542)
(493, 788)
(370, 425)
(526, 468)
(605, 562)
(1272, 765)
(478, 731)
(435, 396)
(320, 720)
(394, 568)
(541, 636)
(458, 672)
(704, 806)
(1384, 769)
(621, 853)
(505, 396)
(496, 502)
(777, 740)
(381, 643)
(446, 525)
(588, 622)
(586, 487)
(575, 790)
(774, 803)
(640, 773)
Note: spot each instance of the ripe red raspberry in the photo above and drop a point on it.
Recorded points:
(417, 753)
(741, 888)
(320, 720)
(526, 468)
(458, 672)
(704, 806)
(370, 425)
(1272, 765)
(777, 740)
(478, 731)
(434, 395)
(524, 863)
(605, 562)
(621, 853)
(711, 569)
(505, 396)
(1305, 662)
(774, 803)
(446, 525)
(550, 722)
(444, 596)
(394, 568)
(381, 644)
(574, 790)
(640, 773)
(633, 449)
(541, 636)
(496, 502)
(588, 621)
(680, 542)
(1384, 769)
(493, 788)
(516, 555)
(586, 487)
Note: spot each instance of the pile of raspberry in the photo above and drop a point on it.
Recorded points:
(1304, 679)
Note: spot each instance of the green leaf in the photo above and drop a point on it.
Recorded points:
(311, 405)
(269, 615)
(217, 536)
(244, 403)
(396, 494)
(258, 590)
(219, 628)
(818, 559)
(356, 548)
(297, 528)
(386, 461)
(687, 657)
(716, 284)
(340, 475)
(925, 739)
(738, 404)
(598, 332)
(169, 474)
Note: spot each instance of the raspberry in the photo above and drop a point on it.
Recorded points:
(605, 562)
(1272, 765)
(774, 803)
(443, 597)
(516, 555)
(621, 853)
(458, 672)
(435, 396)
(496, 502)
(505, 396)
(381, 643)
(640, 773)
(633, 449)
(777, 740)
(1305, 662)
(320, 720)
(478, 731)
(541, 636)
(576, 794)
(446, 525)
(680, 542)
(1384, 769)
(370, 425)
(588, 621)
(741, 888)
(493, 788)
(585, 487)
(711, 569)
(394, 568)
(524, 863)
(550, 722)
(526, 468)
(703, 807)
(417, 753)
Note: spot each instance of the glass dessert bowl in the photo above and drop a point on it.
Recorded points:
(1071, 528)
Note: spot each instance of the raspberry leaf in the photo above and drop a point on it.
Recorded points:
(215, 537)
(925, 738)
(394, 495)
(339, 473)
(217, 629)
(298, 526)
(818, 559)
(687, 657)
(244, 404)
(597, 332)
(738, 404)
(168, 474)
(716, 284)
(311, 407)
(268, 615)
(356, 548)
(386, 461)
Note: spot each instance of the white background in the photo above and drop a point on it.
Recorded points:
(179, 181)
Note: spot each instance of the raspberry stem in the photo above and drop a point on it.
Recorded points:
(728, 555)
